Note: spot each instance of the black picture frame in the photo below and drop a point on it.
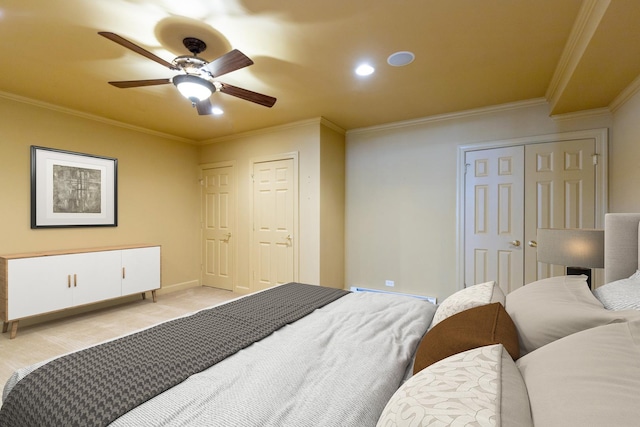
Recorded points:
(70, 189)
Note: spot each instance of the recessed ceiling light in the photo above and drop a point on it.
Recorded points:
(365, 70)
(217, 111)
(399, 59)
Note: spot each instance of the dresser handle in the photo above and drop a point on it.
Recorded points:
(75, 280)
(68, 280)
(123, 273)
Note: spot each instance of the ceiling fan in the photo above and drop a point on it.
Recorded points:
(197, 80)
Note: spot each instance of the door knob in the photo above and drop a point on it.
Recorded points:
(515, 243)
(533, 244)
(226, 237)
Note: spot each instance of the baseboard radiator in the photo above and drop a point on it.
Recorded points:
(432, 300)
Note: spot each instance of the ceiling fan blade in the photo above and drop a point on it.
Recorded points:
(134, 47)
(228, 62)
(248, 95)
(204, 107)
(137, 83)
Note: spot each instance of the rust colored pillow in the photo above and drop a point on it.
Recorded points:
(476, 327)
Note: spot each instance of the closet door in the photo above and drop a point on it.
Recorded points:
(494, 218)
(510, 192)
(560, 192)
(274, 212)
(218, 231)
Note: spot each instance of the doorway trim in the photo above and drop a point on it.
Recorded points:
(201, 168)
(601, 137)
(296, 210)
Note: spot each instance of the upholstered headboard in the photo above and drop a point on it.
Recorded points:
(620, 245)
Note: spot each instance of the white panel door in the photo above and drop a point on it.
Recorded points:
(510, 193)
(273, 216)
(494, 217)
(559, 193)
(140, 270)
(218, 240)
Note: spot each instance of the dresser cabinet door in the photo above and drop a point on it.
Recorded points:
(38, 285)
(97, 276)
(141, 270)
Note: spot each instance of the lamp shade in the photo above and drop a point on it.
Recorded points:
(571, 247)
(193, 87)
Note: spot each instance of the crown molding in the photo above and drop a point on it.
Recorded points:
(626, 94)
(586, 24)
(451, 116)
(585, 114)
(302, 123)
(93, 117)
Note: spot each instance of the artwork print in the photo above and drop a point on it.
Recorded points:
(70, 189)
(76, 190)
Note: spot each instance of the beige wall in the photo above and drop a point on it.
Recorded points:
(624, 158)
(401, 200)
(332, 204)
(304, 139)
(157, 188)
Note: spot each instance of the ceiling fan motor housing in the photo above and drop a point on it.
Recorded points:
(194, 45)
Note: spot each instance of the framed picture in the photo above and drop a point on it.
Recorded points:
(73, 189)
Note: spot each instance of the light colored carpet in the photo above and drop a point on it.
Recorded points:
(41, 341)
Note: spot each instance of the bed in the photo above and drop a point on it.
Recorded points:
(548, 354)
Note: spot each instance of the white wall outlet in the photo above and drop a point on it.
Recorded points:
(389, 283)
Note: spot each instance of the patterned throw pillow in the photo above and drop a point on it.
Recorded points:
(477, 387)
(473, 296)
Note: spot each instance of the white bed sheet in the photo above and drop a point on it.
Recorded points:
(337, 367)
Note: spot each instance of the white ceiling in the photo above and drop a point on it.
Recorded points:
(469, 54)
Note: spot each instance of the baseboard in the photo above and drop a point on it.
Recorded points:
(432, 300)
(178, 287)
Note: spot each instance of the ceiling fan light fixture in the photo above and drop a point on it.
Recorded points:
(194, 88)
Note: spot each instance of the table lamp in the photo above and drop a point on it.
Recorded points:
(578, 249)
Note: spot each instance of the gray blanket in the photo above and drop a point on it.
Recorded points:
(95, 386)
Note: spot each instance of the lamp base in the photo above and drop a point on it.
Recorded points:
(576, 271)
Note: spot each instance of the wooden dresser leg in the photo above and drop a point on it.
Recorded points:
(153, 294)
(5, 327)
(144, 295)
(14, 329)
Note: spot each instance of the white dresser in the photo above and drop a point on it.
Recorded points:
(36, 283)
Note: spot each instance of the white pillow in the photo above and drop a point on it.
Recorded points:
(622, 294)
(473, 296)
(553, 308)
(476, 387)
(591, 378)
